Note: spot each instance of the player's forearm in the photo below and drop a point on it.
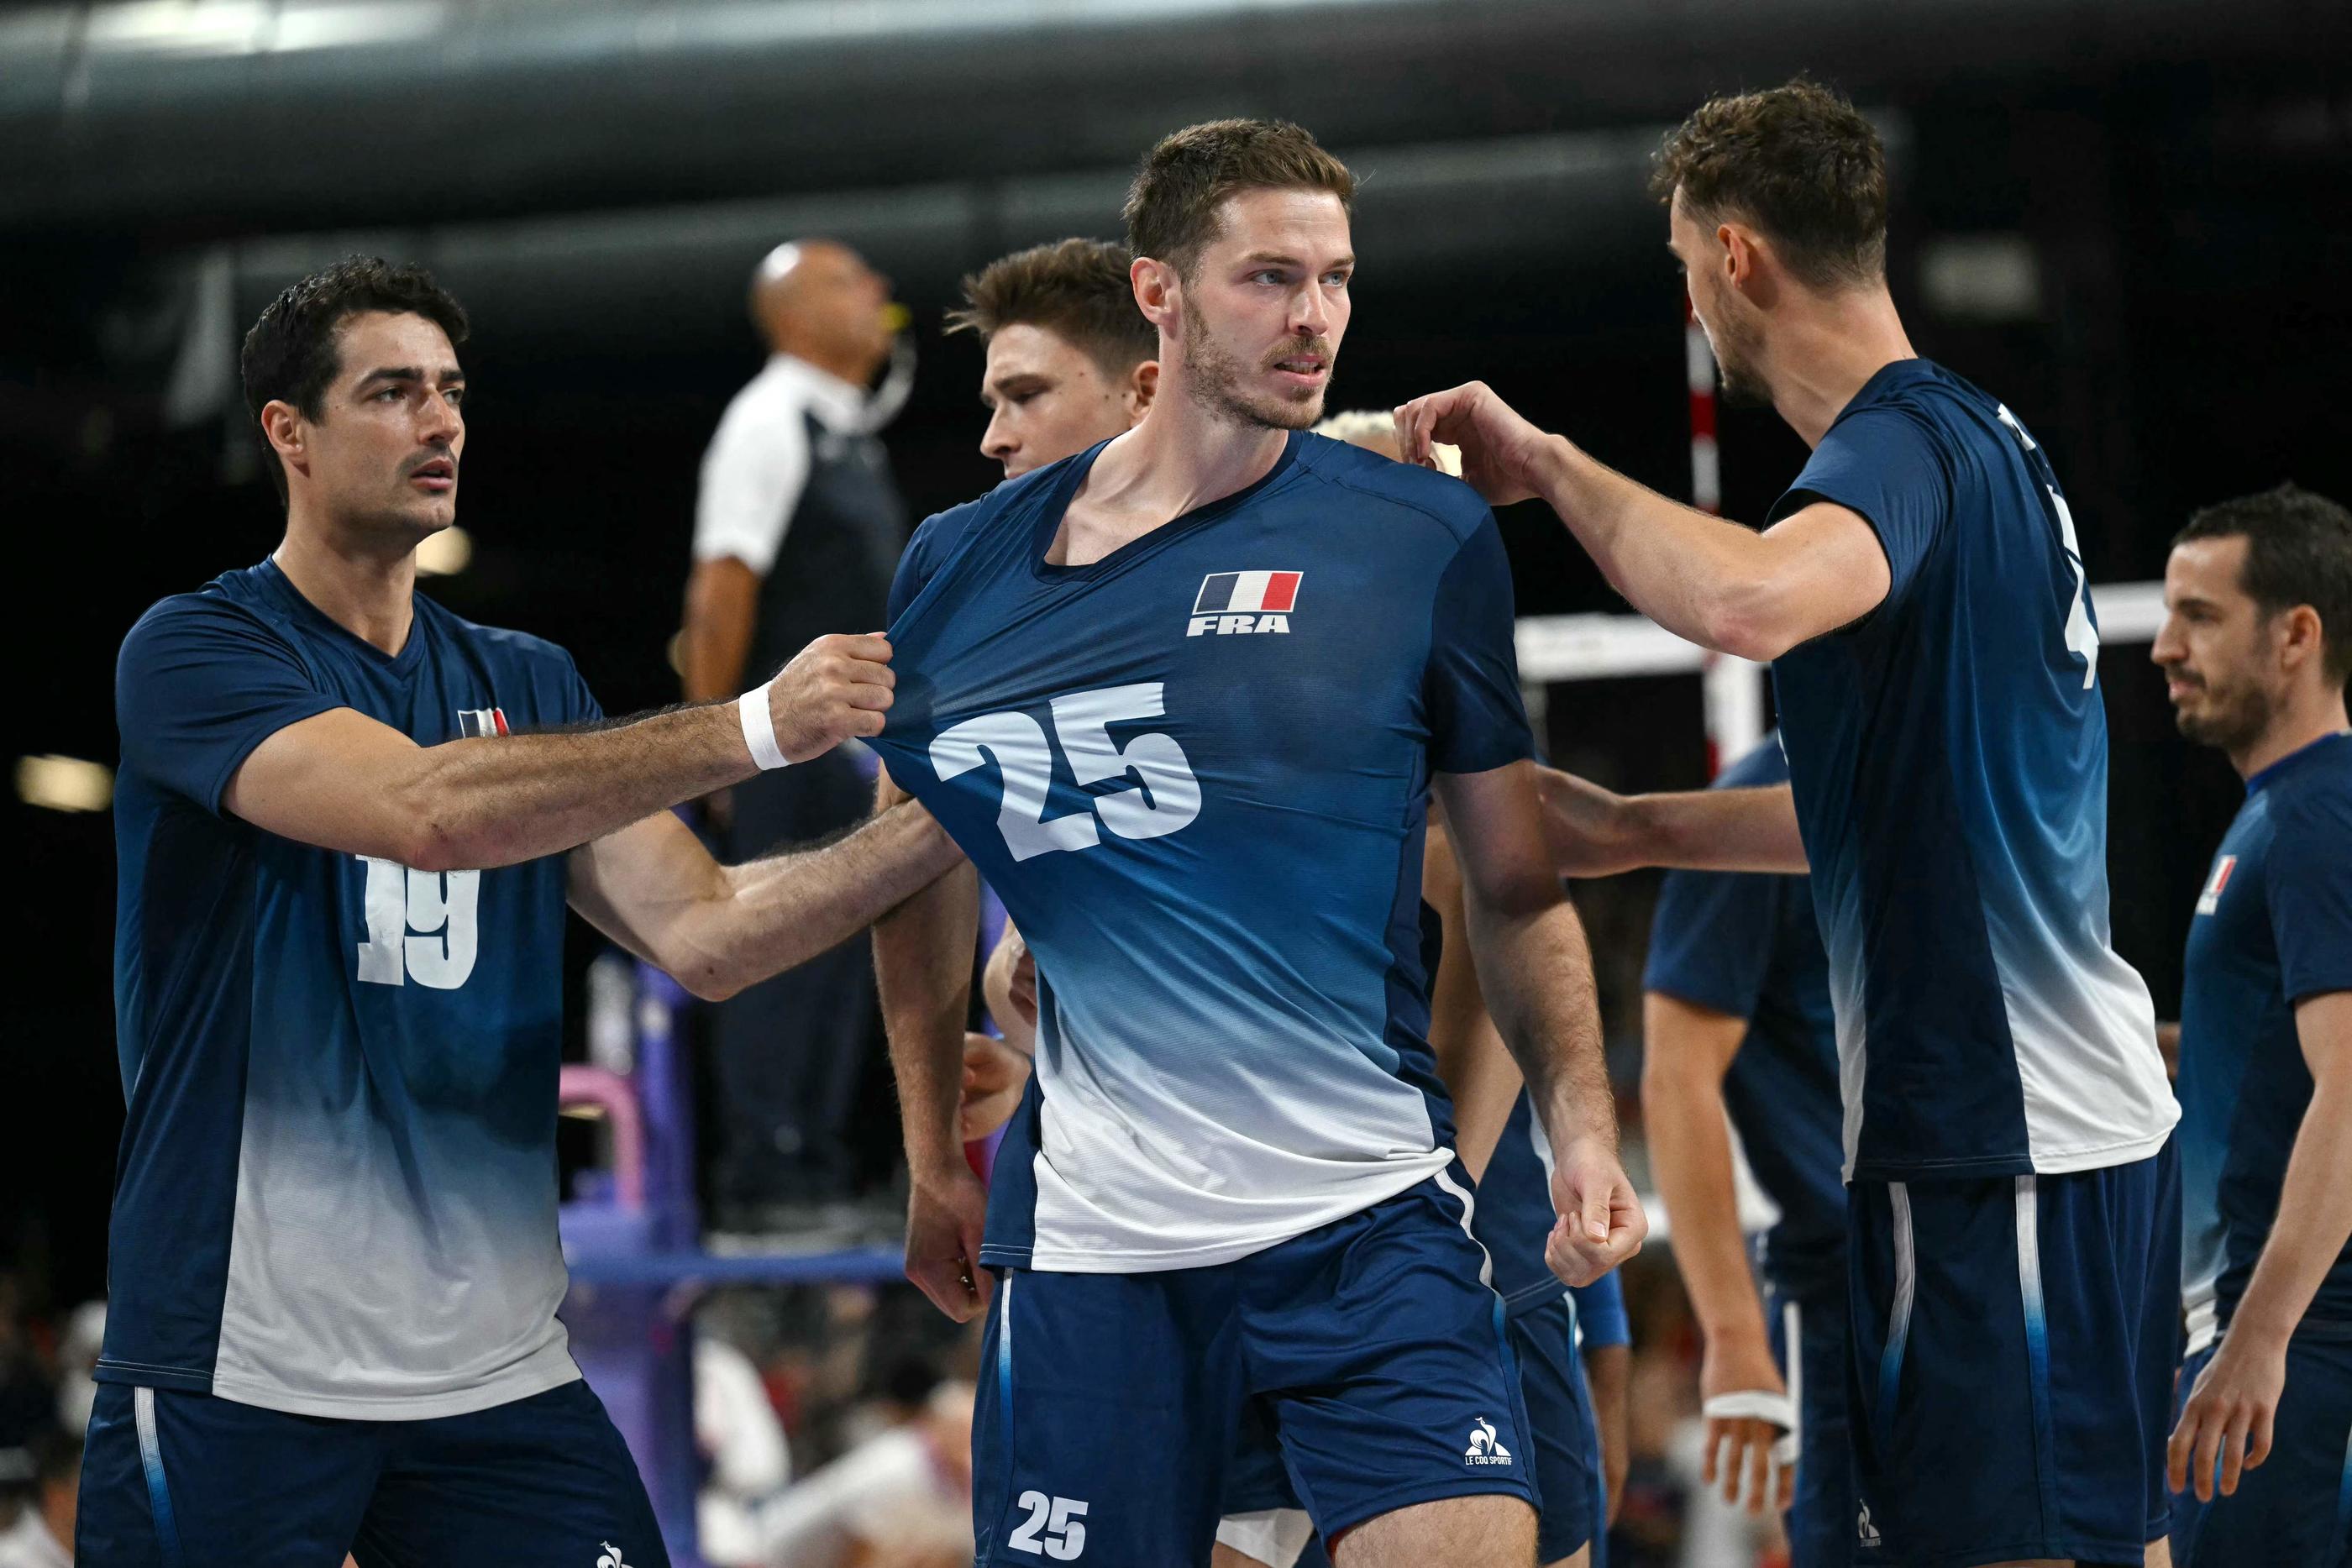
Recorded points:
(922, 964)
(782, 910)
(1536, 972)
(1592, 832)
(2315, 1219)
(1690, 1155)
(484, 802)
(1700, 577)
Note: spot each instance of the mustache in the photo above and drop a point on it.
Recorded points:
(1318, 347)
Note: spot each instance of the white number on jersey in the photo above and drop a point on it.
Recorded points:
(2081, 637)
(1057, 1519)
(1024, 761)
(440, 905)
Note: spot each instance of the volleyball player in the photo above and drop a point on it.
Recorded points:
(348, 823)
(2255, 646)
(1232, 1164)
(2012, 1205)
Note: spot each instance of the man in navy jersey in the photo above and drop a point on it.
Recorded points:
(347, 826)
(1183, 698)
(2255, 645)
(2011, 1211)
(1737, 1021)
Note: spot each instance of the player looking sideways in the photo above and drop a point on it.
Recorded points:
(343, 861)
(1234, 1161)
(2255, 646)
(2013, 1199)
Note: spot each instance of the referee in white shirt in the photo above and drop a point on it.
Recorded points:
(797, 530)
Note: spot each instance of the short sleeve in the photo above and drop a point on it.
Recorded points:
(1601, 1312)
(1477, 721)
(198, 686)
(581, 706)
(1711, 938)
(914, 568)
(752, 478)
(1882, 463)
(2310, 873)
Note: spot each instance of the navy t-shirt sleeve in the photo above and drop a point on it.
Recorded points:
(2310, 875)
(1882, 462)
(1711, 938)
(1476, 720)
(914, 568)
(580, 704)
(1601, 1312)
(198, 686)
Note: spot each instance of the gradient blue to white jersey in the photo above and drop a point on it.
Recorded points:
(1197, 772)
(1746, 946)
(336, 1194)
(1949, 755)
(2273, 927)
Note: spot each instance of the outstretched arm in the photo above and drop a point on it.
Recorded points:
(653, 888)
(1717, 583)
(922, 964)
(1592, 832)
(1536, 973)
(341, 781)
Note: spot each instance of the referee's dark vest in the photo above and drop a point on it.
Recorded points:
(841, 548)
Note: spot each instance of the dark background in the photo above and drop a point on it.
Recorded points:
(2165, 186)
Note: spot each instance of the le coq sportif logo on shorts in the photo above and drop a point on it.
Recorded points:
(611, 1556)
(1486, 1448)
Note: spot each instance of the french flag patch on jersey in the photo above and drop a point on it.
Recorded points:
(482, 721)
(2211, 899)
(1248, 592)
(1240, 601)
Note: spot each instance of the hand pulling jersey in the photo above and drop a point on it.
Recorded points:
(1197, 772)
(336, 1194)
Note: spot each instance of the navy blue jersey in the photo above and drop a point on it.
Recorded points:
(1950, 761)
(1746, 946)
(336, 1192)
(2273, 927)
(1197, 771)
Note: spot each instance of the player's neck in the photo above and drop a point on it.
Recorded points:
(1185, 456)
(1825, 349)
(2302, 720)
(363, 587)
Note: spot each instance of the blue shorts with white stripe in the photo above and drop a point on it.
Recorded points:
(1111, 1404)
(2009, 1381)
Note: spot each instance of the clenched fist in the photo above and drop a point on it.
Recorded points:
(835, 688)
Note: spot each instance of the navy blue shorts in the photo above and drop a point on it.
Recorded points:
(1809, 1338)
(1113, 1403)
(174, 1479)
(2296, 1506)
(2010, 1375)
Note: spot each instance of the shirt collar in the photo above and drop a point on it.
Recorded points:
(840, 405)
(2333, 741)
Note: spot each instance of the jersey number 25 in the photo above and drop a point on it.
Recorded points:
(1168, 797)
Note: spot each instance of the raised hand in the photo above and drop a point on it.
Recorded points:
(1499, 450)
(835, 688)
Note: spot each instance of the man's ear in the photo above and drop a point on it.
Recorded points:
(1142, 386)
(1158, 292)
(2299, 638)
(1747, 262)
(289, 433)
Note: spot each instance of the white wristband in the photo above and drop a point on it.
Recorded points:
(760, 727)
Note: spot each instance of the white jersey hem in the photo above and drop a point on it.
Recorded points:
(1052, 1259)
(2062, 1162)
(537, 1374)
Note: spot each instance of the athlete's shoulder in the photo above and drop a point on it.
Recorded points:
(233, 605)
(1764, 765)
(2310, 807)
(1442, 500)
(940, 534)
(501, 645)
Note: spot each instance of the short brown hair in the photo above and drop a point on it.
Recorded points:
(1797, 162)
(1172, 207)
(2298, 551)
(1077, 287)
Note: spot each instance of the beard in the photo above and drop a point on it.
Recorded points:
(1215, 377)
(2231, 719)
